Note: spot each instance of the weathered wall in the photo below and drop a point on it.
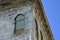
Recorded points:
(7, 22)
(8, 14)
(43, 26)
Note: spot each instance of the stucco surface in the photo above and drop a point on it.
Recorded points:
(7, 23)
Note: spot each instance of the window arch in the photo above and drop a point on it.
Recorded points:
(19, 24)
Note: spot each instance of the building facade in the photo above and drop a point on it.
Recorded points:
(23, 20)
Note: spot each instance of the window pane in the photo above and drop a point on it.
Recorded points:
(19, 24)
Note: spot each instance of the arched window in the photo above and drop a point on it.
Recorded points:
(19, 24)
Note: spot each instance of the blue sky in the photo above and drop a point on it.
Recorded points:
(52, 10)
